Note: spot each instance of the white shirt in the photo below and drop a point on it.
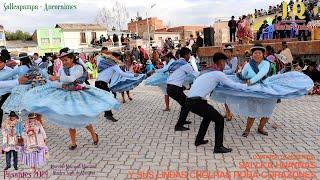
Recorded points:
(179, 76)
(9, 83)
(76, 72)
(38, 61)
(207, 82)
(108, 73)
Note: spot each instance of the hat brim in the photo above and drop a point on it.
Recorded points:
(263, 49)
(6, 52)
(64, 54)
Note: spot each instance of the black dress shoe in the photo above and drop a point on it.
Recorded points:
(187, 122)
(72, 147)
(15, 168)
(97, 141)
(181, 128)
(111, 118)
(8, 167)
(198, 143)
(222, 149)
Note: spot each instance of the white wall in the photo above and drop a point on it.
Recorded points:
(221, 34)
(160, 38)
(72, 38)
(2, 39)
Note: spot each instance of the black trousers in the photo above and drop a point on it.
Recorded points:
(104, 86)
(232, 35)
(176, 93)
(15, 158)
(2, 100)
(203, 109)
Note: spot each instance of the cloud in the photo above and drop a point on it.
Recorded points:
(177, 12)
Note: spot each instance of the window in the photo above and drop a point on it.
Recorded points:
(159, 38)
(94, 35)
(176, 38)
(83, 37)
(56, 41)
(1, 36)
(45, 41)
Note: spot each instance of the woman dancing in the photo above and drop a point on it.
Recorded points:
(68, 89)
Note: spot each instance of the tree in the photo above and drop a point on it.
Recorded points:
(18, 35)
(105, 18)
(115, 17)
(121, 15)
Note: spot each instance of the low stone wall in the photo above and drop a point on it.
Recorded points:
(297, 48)
(301, 50)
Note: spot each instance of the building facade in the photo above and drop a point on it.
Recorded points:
(50, 40)
(160, 37)
(80, 36)
(2, 38)
(141, 27)
(221, 34)
(186, 31)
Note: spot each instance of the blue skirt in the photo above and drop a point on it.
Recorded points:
(259, 100)
(122, 84)
(157, 79)
(160, 79)
(14, 101)
(69, 109)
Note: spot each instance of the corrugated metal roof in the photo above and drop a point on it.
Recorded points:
(81, 26)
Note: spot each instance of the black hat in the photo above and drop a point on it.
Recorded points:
(104, 48)
(32, 115)
(116, 54)
(24, 57)
(12, 114)
(65, 51)
(4, 51)
(258, 47)
(219, 56)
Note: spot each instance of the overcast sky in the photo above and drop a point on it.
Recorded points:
(173, 12)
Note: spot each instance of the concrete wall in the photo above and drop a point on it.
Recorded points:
(72, 38)
(221, 34)
(302, 49)
(159, 38)
(142, 26)
(186, 31)
(2, 38)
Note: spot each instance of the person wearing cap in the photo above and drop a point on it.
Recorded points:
(107, 68)
(179, 72)
(197, 103)
(34, 152)
(232, 61)
(229, 69)
(10, 140)
(255, 71)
